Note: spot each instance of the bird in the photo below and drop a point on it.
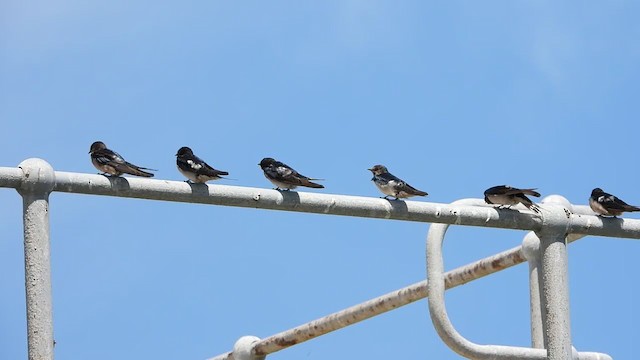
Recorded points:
(606, 204)
(194, 168)
(505, 195)
(110, 162)
(284, 177)
(391, 185)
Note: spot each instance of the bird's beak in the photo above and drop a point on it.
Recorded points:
(370, 170)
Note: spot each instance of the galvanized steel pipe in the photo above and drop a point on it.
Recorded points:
(531, 251)
(381, 304)
(441, 321)
(470, 212)
(38, 180)
(555, 286)
(556, 319)
(478, 214)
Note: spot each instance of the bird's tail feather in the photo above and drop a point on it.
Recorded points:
(310, 184)
(139, 173)
(531, 192)
(631, 208)
(413, 191)
(135, 170)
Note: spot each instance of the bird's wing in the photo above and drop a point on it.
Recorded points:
(286, 173)
(210, 170)
(108, 157)
(531, 192)
(411, 190)
(612, 202)
(132, 169)
(497, 190)
(515, 191)
(398, 183)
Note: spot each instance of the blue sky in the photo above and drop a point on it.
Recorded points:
(453, 96)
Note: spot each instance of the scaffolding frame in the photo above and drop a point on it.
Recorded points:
(544, 248)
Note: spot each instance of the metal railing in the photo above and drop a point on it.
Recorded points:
(544, 248)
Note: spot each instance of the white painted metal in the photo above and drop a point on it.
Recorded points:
(38, 179)
(35, 179)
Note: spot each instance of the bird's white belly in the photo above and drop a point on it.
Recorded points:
(388, 188)
(597, 207)
(502, 199)
(104, 168)
(281, 185)
(189, 175)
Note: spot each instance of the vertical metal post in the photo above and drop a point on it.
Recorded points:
(555, 293)
(531, 251)
(38, 181)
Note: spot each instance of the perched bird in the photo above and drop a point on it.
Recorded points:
(608, 205)
(284, 177)
(391, 185)
(194, 168)
(110, 162)
(505, 195)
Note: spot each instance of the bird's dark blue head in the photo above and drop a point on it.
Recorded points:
(97, 146)
(597, 192)
(184, 151)
(266, 162)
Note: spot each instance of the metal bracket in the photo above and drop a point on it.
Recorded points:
(557, 338)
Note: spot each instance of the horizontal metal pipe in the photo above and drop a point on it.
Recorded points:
(478, 214)
(601, 226)
(11, 177)
(473, 213)
(294, 201)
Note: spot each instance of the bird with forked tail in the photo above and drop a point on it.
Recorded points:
(194, 168)
(391, 185)
(110, 162)
(606, 204)
(505, 195)
(284, 177)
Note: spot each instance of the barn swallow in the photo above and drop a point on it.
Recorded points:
(505, 195)
(606, 204)
(391, 185)
(284, 177)
(110, 162)
(194, 168)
